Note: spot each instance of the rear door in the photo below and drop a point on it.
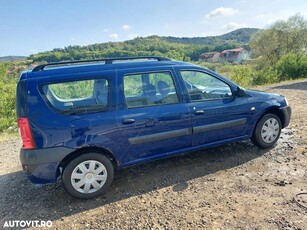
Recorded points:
(151, 117)
(217, 114)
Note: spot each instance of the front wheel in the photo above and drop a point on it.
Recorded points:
(88, 175)
(267, 131)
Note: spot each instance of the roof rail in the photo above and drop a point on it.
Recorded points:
(106, 60)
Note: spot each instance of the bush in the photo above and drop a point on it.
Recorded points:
(7, 106)
(292, 66)
(226, 69)
(242, 75)
(9, 73)
(209, 65)
(265, 76)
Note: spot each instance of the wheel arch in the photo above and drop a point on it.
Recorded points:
(277, 112)
(273, 110)
(84, 150)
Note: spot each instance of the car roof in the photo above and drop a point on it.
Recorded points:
(76, 67)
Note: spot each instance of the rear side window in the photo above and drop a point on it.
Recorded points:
(83, 96)
(149, 89)
(73, 90)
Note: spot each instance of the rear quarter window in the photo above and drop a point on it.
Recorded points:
(82, 96)
(73, 90)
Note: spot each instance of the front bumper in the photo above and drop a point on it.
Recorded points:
(286, 111)
(41, 165)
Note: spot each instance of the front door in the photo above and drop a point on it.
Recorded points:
(217, 114)
(152, 119)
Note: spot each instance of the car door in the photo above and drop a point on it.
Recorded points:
(218, 115)
(151, 117)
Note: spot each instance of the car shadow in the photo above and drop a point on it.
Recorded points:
(293, 86)
(21, 200)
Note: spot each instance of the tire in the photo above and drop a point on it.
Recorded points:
(267, 131)
(88, 175)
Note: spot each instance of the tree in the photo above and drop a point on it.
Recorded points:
(281, 38)
(264, 47)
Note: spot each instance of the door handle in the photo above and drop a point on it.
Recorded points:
(199, 112)
(128, 121)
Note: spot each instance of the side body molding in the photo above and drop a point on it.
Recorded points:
(187, 131)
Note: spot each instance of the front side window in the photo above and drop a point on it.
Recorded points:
(78, 96)
(202, 86)
(149, 89)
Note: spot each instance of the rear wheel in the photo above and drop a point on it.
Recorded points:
(88, 175)
(267, 131)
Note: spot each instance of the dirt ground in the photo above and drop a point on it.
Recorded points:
(234, 186)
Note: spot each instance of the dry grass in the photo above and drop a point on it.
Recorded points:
(4, 136)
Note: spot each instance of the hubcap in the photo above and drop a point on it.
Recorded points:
(89, 176)
(270, 130)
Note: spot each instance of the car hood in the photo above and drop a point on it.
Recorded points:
(267, 95)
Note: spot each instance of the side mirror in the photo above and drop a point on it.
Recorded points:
(240, 92)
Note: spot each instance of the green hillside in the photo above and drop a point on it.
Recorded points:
(171, 47)
(12, 58)
(237, 36)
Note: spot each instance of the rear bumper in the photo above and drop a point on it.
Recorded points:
(41, 165)
(287, 115)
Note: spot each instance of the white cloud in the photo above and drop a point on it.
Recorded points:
(132, 35)
(234, 25)
(222, 11)
(125, 27)
(113, 36)
(260, 17)
(270, 18)
(273, 19)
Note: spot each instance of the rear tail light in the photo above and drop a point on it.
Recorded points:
(26, 134)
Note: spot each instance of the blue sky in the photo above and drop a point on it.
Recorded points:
(31, 26)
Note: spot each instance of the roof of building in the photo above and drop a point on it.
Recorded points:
(236, 50)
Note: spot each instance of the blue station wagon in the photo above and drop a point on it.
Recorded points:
(81, 120)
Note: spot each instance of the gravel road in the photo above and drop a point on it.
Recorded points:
(235, 186)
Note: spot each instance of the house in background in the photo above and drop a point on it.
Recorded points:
(234, 55)
(237, 55)
(210, 57)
